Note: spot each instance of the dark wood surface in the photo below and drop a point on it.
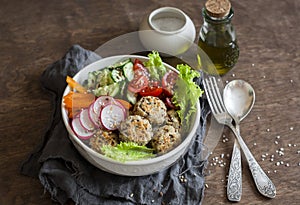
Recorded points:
(35, 33)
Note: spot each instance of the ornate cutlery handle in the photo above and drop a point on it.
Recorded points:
(264, 185)
(234, 184)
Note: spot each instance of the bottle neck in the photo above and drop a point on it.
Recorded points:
(213, 20)
(218, 32)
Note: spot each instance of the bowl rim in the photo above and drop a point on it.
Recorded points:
(165, 156)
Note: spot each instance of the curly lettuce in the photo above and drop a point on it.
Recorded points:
(127, 151)
(186, 93)
(155, 65)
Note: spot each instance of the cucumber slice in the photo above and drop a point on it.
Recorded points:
(104, 78)
(122, 89)
(120, 64)
(111, 90)
(91, 81)
(128, 71)
(131, 97)
(117, 75)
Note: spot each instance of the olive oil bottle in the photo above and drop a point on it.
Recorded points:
(217, 36)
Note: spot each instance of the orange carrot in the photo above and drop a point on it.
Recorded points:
(126, 104)
(74, 102)
(74, 85)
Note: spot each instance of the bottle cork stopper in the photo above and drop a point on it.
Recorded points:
(217, 8)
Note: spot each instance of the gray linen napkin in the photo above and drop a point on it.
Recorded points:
(67, 175)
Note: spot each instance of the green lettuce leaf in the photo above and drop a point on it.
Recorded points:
(155, 65)
(127, 151)
(186, 93)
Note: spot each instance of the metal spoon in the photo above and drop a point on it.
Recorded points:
(239, 98)
(238, 103)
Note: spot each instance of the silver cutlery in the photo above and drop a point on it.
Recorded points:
(239, 97)
(264, 185)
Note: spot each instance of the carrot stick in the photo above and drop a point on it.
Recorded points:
(74, 85)
(74, 102)
(126, 104)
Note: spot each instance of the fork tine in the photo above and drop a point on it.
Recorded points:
(218, 95)
(209, 96)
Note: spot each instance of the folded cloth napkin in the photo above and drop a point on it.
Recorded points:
(67, 175)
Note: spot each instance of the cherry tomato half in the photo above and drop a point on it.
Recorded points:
(138, 83)
(168, 82)
(138, 65)
(151, 91)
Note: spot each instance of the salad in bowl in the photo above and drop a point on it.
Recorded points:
(132, 115)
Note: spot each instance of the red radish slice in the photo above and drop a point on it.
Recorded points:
(80, 131)
(85, 120)
(94, 117)
(116, 102)
(101, 102)
(111, 116)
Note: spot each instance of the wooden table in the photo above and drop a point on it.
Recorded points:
(36, 33)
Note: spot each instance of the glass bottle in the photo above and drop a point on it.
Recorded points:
(217, 35)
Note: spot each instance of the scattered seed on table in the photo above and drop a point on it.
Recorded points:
(291, 128)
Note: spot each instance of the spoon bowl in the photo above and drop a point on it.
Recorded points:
(239, 98)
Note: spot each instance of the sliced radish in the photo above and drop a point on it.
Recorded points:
(111, 116)
(85, 120)
(116, 102)
(80, 131)
(101, 102)
(94, 117)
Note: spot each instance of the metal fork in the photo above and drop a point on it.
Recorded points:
(264, 185)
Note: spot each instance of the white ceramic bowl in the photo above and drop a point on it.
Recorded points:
(167, 30)
(130, 168)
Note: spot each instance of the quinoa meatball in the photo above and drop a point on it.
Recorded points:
(136, 129)
(151, 108)
(165, 139)
(173, 119)
(103, 137)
